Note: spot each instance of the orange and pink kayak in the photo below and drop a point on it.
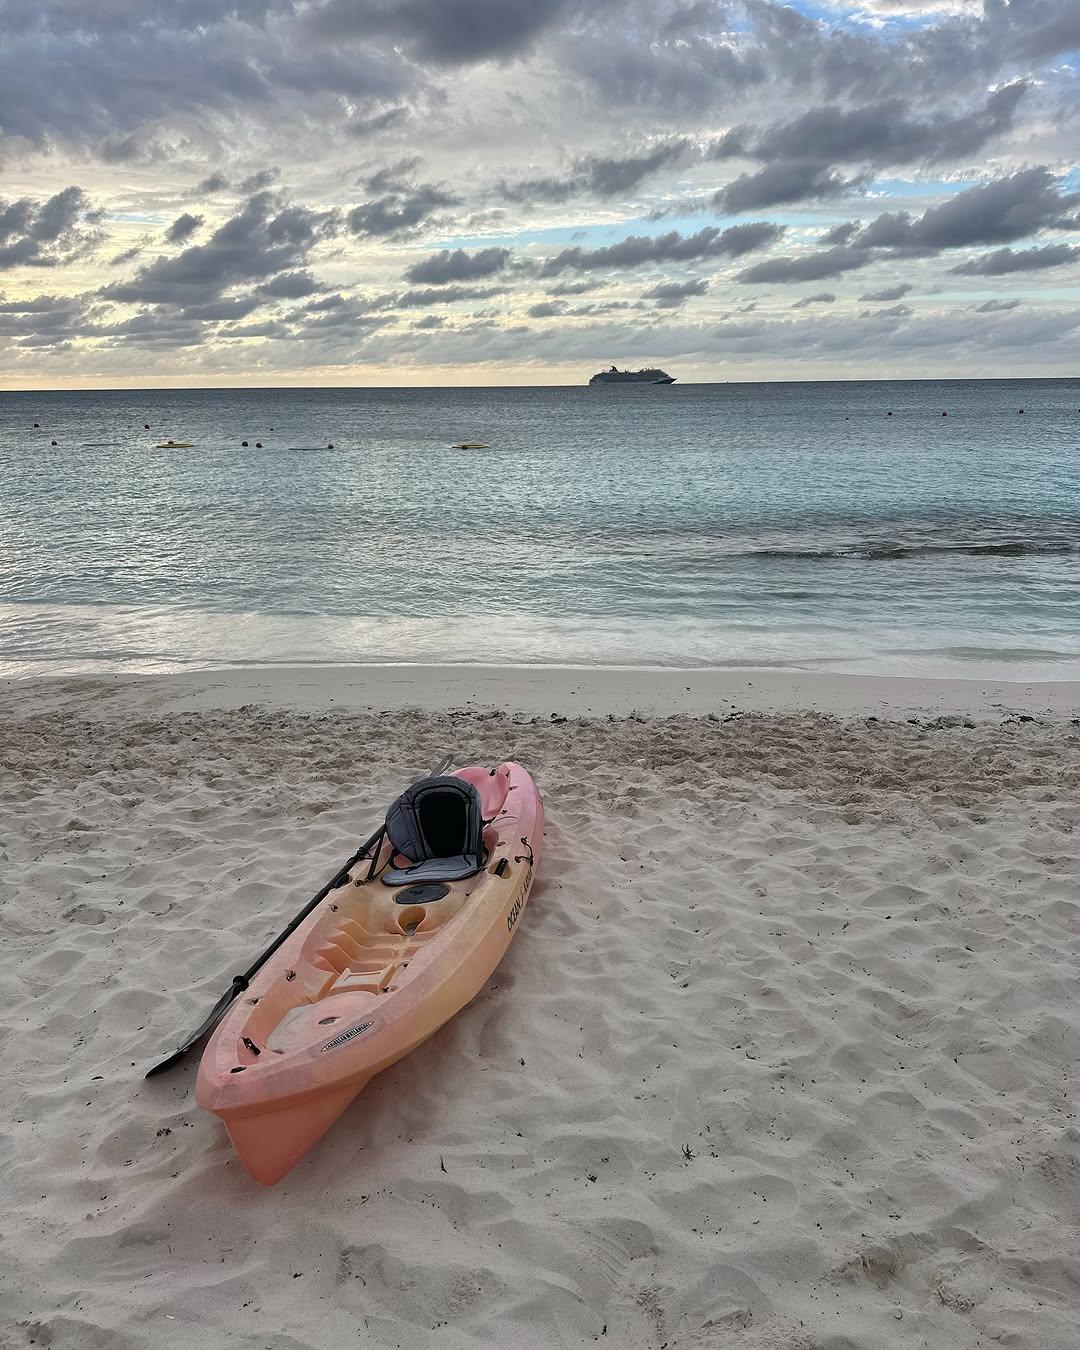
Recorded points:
(368, 976)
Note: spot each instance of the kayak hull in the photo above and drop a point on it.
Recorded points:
(368, 976)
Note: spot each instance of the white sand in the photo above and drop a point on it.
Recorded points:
(784, 1055)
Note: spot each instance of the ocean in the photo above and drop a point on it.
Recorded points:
(764, 525)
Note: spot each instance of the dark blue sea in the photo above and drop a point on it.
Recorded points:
(731, 524)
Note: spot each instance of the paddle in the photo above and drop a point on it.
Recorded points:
(241, 982)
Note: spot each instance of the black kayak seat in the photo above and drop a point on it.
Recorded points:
(437, 825)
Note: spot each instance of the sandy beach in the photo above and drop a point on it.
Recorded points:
(783, 1057)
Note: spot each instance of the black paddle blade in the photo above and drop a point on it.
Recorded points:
(240, 982)
(218, 1011)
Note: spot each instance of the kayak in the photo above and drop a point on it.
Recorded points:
(385, 960)
(173, 445)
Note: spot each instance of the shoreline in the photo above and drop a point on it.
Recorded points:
(562, 691)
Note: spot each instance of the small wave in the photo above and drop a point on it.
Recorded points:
(886, 552)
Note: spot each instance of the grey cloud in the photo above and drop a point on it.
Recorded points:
(832, 262)
(996, 306)
(784, 181)
(575, 287)
(457, 265)
(676, 77)
(154, 330)
(1046, 29)
(821, 298)
(44, 320)
(430, 321)
(290, 286)
(451, 32)
(182, 228)
(217, 311)
(1001, 212)
(888, 293)
(127, 68)
(595, 175)
(128, 255)
(1004, 260)
(673, 294)
(881, 133)
(394, 177)
(840, 234)
(443, 295)
(259, 181)
(381, 121)
(399, 212)
(214, 183)
(637, 249)
(546, 309)
(263, 239)
(893, 312)
(46, 234)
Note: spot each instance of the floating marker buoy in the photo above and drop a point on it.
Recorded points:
(330, 446)
(258, 445)
(37, 424)
(54, 442)
(1019, 412)
(244, 444)
(146, 426)
(944, 414)
(889, 414)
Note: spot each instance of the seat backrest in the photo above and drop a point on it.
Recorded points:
(437, 818)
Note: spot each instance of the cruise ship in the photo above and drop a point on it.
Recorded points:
(617, 376)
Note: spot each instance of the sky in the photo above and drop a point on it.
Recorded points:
(482, 192)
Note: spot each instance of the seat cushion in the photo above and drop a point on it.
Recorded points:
(434, 869)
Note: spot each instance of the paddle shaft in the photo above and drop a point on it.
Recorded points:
(241, 982)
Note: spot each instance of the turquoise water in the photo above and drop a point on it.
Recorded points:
(787, 524)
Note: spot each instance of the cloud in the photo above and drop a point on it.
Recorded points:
(996, 306)
(673, 294)
(134, 80)
(400, 211)
(1056, 28)
(443, 295)
(546, 309)
(45, 320)
(265, 238)
(886, 132)
(182, 228)
(450, 32)
(576, 287)
(1004, 260)
(456, 265)
(893, 312)
(595, 175)
(821, 298)
(832, 262)
(290, 286)
(638, 249)
(1003, 211)
(888, 293)
(214, 183)
(49, 233)
(380, 121)
(784, 181)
